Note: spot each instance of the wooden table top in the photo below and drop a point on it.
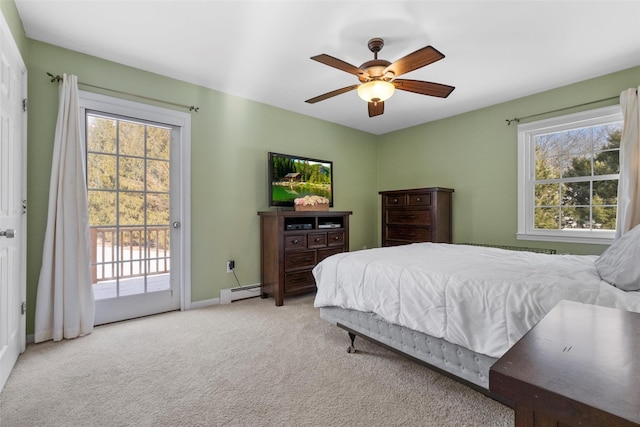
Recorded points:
(580, 364)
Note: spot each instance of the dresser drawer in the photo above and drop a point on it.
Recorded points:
(423, 199)
(295, 242)
(299, 280)
(326, 253)
(295, 260)
(335, 238)
(409, 217)
(409, 233)
(397, 200)
(317, 240)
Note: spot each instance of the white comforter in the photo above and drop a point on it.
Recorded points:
(484, 299)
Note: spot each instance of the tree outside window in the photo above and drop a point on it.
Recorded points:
(574, 187)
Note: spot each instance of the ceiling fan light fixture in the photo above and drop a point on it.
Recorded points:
(376, 91)
(378, 77)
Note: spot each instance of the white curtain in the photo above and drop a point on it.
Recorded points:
(629, 184)
(64, 305)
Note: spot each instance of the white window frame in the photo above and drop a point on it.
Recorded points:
(526, 171)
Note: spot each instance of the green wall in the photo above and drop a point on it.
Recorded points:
(230, 140)
(476, 154)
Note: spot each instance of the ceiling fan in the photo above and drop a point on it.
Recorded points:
(378, 77)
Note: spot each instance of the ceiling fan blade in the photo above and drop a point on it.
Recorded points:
(338, 63)
(424, 88)
(331, 94)
(415, 60)
(376, 108)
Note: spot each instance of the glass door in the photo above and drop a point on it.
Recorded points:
(129, 177)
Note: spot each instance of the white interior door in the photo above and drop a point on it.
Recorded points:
(12, 202)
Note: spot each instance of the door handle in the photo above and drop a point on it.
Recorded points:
(176, 224)
(9, 233)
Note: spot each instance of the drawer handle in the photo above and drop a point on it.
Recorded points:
(419, 199)
(336, 238)
(411, 216)
(317, 239)
(395, 200)
(295, 241)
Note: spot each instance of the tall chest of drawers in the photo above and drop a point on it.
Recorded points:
(292, 243)
(416, 215)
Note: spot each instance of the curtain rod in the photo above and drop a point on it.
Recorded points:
(517, 119)
(58, 78)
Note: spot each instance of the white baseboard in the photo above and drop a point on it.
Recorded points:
(204, 303)
(227, 296)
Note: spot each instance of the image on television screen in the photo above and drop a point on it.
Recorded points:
(293, 177)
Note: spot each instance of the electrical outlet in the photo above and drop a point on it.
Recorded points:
(231, 264)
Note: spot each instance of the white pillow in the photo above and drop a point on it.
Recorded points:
(619, 265)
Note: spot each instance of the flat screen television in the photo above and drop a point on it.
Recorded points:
(291, 177)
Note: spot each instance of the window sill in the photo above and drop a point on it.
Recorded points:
(566, 238)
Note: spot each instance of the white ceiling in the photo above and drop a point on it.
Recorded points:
(495, 50)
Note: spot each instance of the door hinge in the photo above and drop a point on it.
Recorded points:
(23, 307)
(24, 206)
(24, 104)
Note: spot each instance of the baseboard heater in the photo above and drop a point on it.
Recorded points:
(229, 295)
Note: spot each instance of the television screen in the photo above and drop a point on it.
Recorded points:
(294, 176)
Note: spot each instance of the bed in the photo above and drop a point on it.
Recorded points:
(458, 308)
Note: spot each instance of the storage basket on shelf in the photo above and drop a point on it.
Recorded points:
(311, 203)
(319, 207)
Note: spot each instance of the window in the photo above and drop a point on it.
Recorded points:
(128, 170)
(568, 171)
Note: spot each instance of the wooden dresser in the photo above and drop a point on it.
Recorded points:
(416, 215)
(292, 243)
(578, 366)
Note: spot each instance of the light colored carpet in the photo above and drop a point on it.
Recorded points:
(248, 363)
